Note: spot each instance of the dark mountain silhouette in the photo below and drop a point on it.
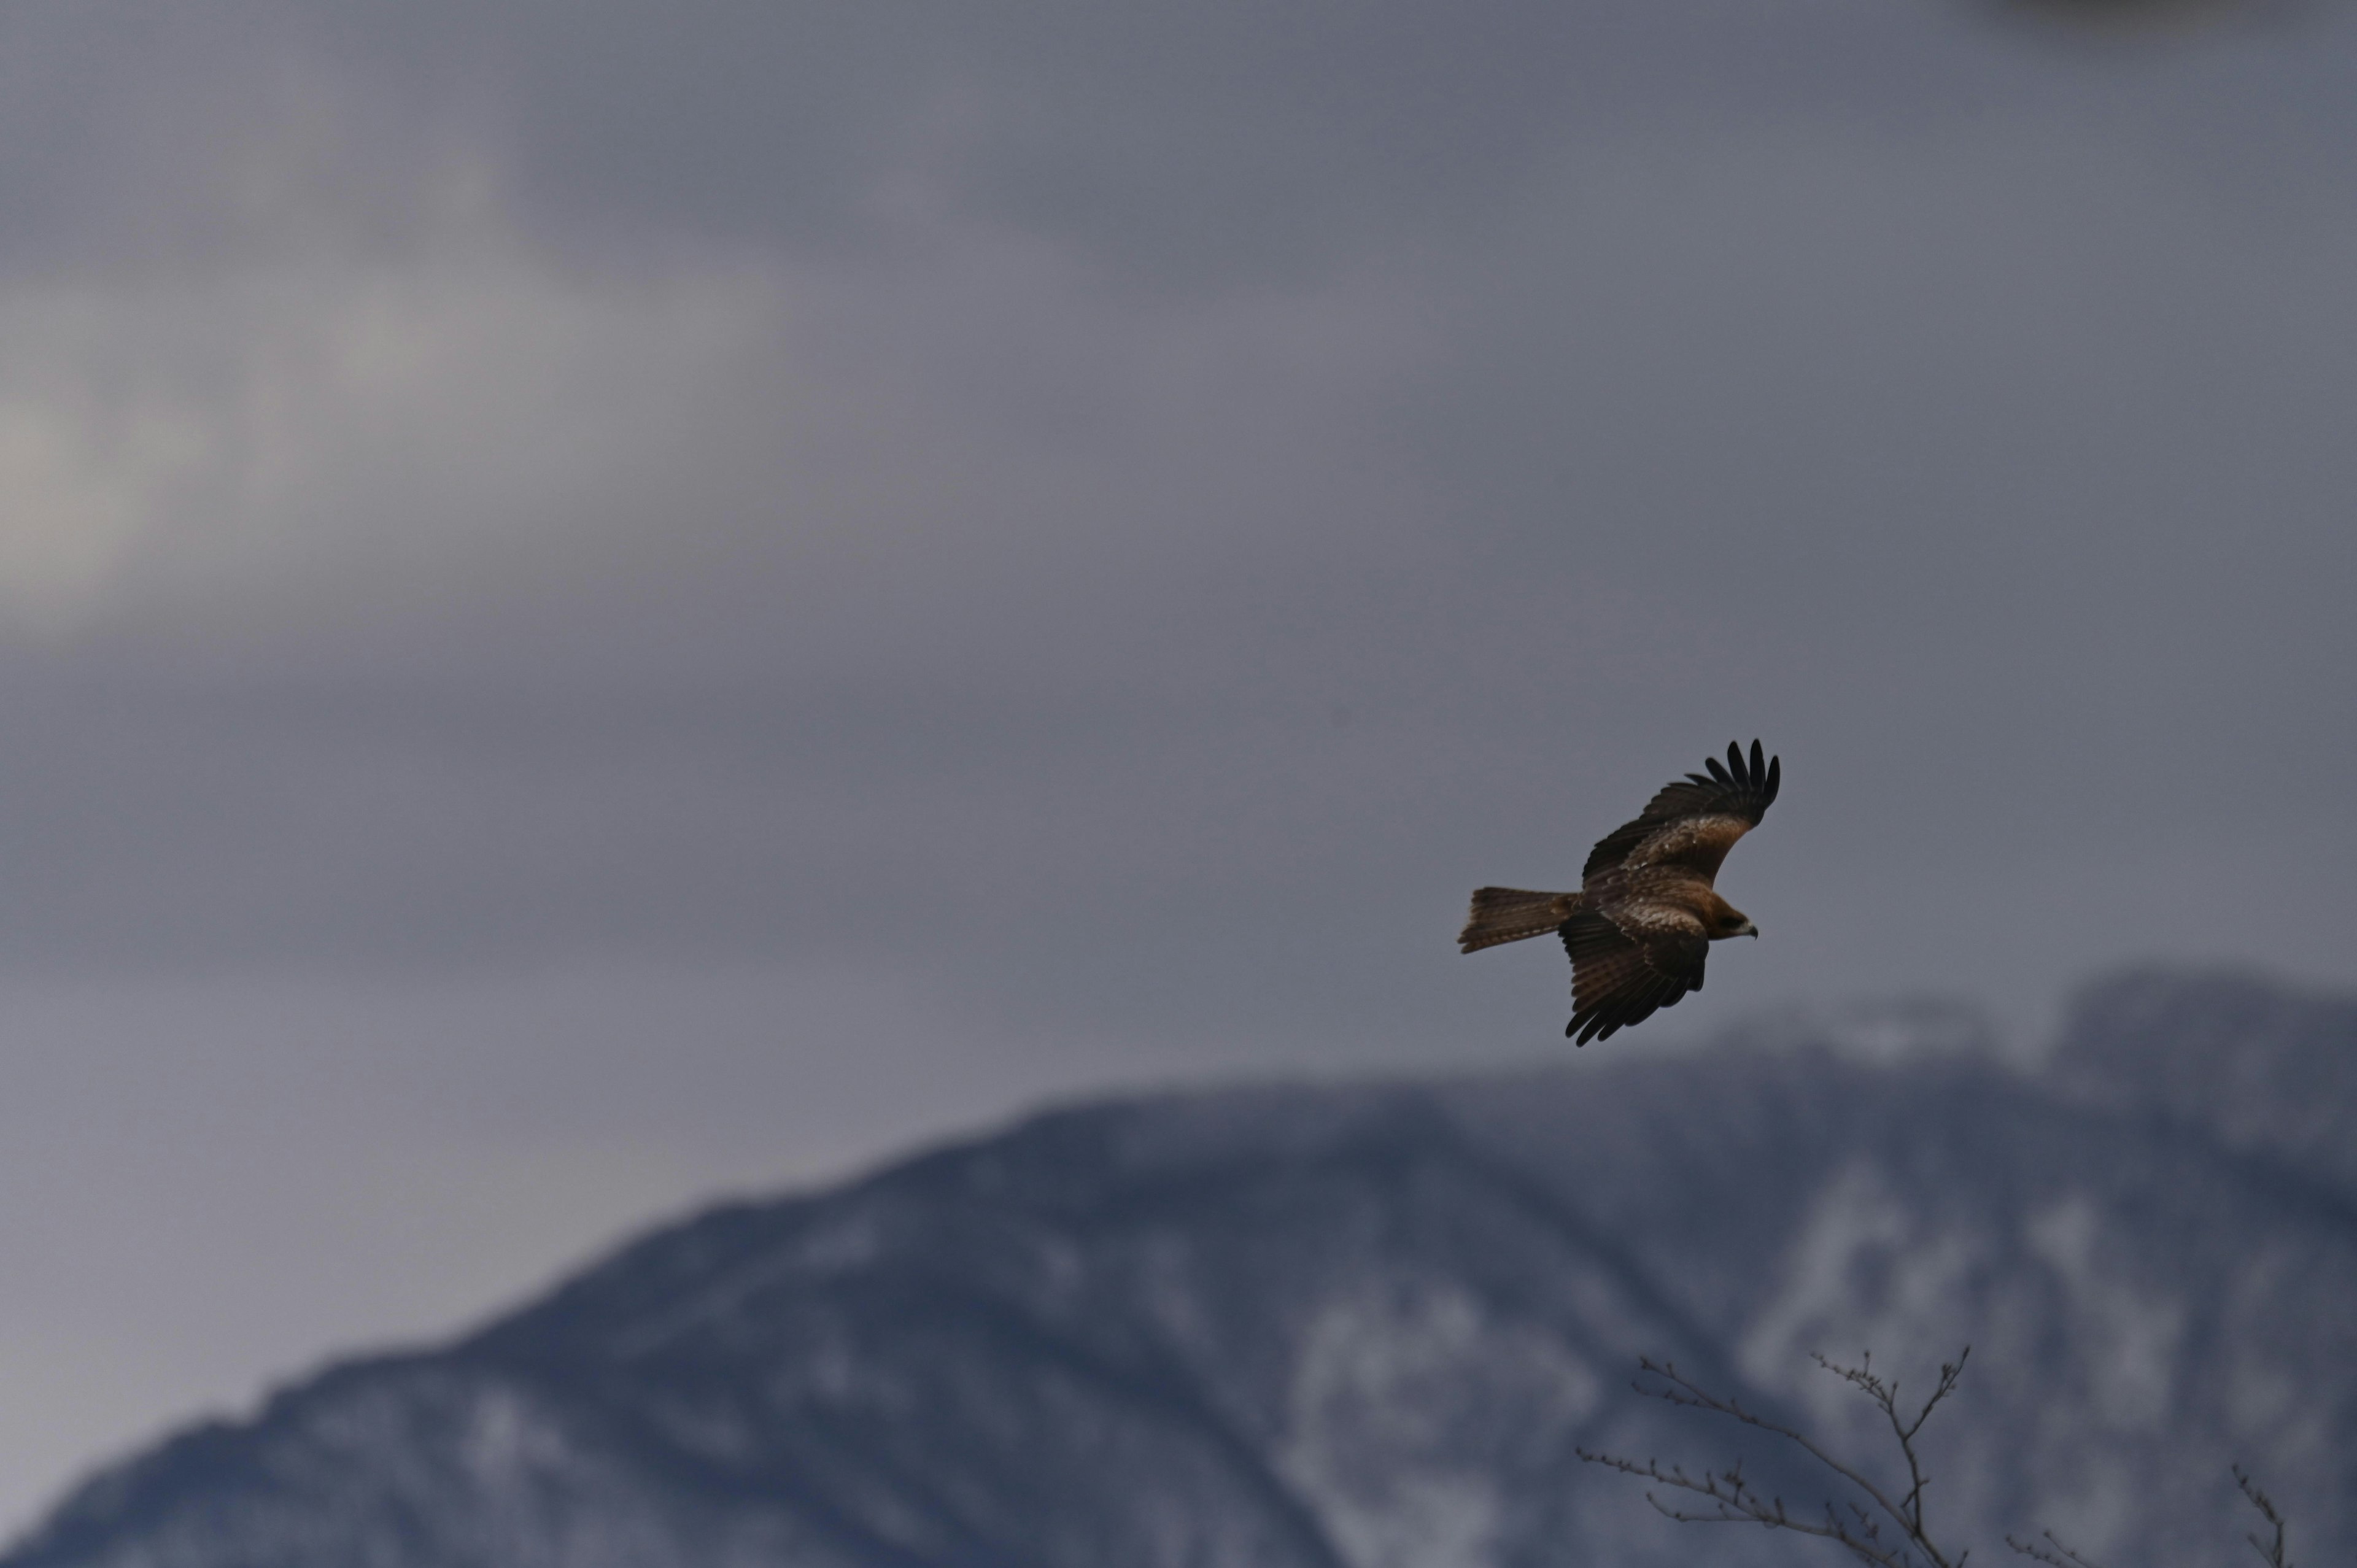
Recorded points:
(1368, 1326)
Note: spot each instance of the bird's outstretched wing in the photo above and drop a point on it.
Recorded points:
(1693, 822)
(1621, 976)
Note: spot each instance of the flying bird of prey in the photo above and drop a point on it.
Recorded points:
(1645, 915)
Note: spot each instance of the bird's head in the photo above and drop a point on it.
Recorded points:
(1727, 920)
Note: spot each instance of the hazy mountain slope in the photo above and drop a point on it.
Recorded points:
(1360, 1328)
(2250, 1064)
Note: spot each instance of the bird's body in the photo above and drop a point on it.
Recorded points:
(1641, 926)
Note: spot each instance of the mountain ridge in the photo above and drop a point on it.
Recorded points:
(1366, 1325)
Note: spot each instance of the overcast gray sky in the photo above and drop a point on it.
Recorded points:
(604, 602)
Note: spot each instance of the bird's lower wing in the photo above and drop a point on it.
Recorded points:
(1622, 977)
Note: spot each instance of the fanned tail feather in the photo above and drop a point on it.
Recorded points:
(1511, 914)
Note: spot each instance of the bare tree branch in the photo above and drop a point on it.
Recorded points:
(2053, 1553)
(1886, 1398)
(1738, 1502)
(2056, 1555)
(1852, 1526)
(2272, 1551)
(1893, 1532)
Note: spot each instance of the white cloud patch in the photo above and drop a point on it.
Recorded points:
(163, 434)
(81, 479)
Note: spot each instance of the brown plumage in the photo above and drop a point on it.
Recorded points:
(1645, 915)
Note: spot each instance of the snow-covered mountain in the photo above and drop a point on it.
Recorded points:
(1311, 1327)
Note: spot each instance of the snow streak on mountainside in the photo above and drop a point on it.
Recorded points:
(1367, 1327)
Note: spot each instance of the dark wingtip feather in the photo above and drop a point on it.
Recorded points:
(1775, 776)
(1759, 764)
(1717, 771)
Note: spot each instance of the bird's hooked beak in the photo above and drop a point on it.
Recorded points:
(1747, 930)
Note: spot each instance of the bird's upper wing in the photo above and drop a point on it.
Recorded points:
(1625, 969)
(1695, 822)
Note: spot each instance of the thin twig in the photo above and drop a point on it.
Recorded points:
(1851, 1525)
(2053, 1553)
(2056, 1555)
(1860, 1533)
(1885, 1394)
(2271, 1551)
(1738, 1503)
